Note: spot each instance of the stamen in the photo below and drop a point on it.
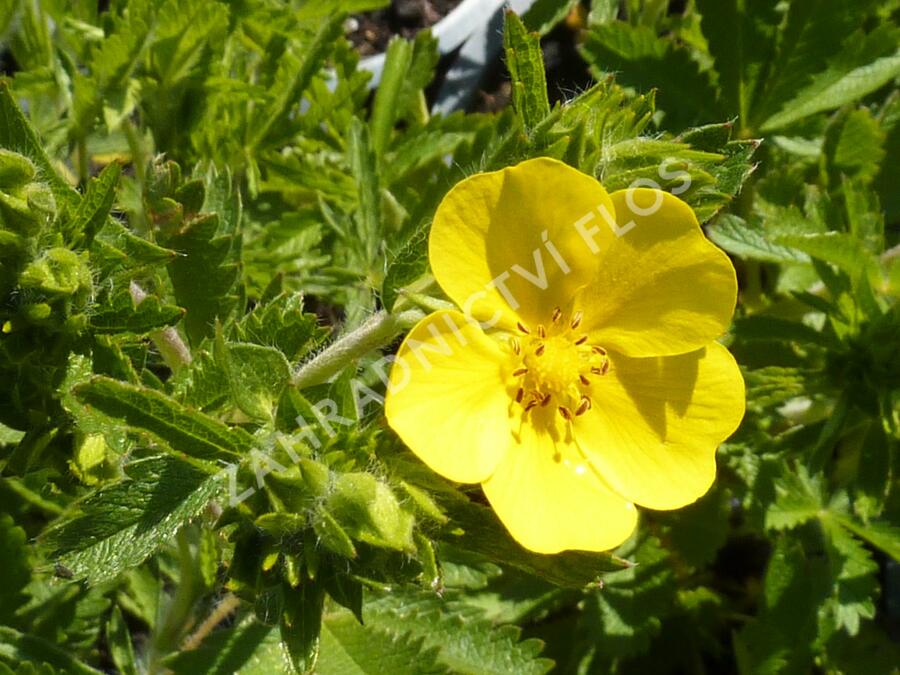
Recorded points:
(584, 380)
(596, 370)
(604, 368)
(522, 328)
(530, 405)
(598, 350)
(584, 406)
(516, 347)
(540, 349)
(520, 395)
(565, 412)
(545, 400)
(581, 340)
(557, 312)
(518, 372)
(541, 331)
(576, 320)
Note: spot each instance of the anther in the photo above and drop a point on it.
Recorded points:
(584, 380)
(596, 370)
(516, 347)
(576, 320)
(565, 412)
(518, 372)
(541, 331)
(520, 395)
(545, 400)
(604, 368)
(598, 350)
(540, 349)
(530, 405)
(522, 328)
(556, 314)
(584, 406)
(581, 340)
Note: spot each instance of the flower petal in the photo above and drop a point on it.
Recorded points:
(446, 397)
(656, 422)
(550, 506)
(661, 286)
(498, 238)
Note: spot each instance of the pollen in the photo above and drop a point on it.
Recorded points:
(554, 361)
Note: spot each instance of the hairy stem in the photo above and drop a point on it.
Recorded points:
(377, 331)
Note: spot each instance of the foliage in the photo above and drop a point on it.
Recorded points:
(197, 197)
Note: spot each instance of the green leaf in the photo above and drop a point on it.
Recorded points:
(465, 640)
(205, 273)
(256, 375)
(119, 640)
(409, 263)
(741, 41)
(119, 526)
(882, 535)
(16, 567)
(842, 250)
(799, 498)
(301, 624)
(282, 323)
(120, 314)
(863, 67)
(94, 207)
(368, 510)
(526, 70)
(736, 236)
(116, 250)
(363, 166)
(249, 648)
(351, 648)
(182, 430)
(294, 76)
(29, 649)
(645, 61)
(408, 67)
(16, 134)
(633, 602)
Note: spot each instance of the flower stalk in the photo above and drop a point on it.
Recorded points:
(377, 331)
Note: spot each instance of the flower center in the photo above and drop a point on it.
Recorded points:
(557, 364)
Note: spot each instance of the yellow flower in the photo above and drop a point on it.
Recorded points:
(582, 376)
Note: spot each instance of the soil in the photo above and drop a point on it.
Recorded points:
(370, 32)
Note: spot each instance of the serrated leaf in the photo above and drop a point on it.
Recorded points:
(249, 648)
(859, 70)
(410, 262)
(525, 62)
(741, 37)
(118, 526)
(643, 60)
(256, 375)
(465, 640)
(301, 624)
(93, 210)
(120, 314)
(799, 498)
(205, 273)
(736, 236)
(350, 648)
(20, 648)
(182, 430)
(16, 134)
(116, 249)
